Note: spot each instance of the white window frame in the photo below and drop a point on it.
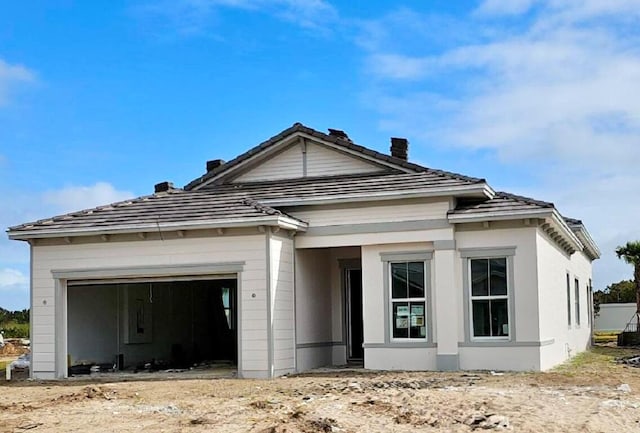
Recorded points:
(576, 301)
(386, 258)
(507, 297)
(424, 299)
(569, 303)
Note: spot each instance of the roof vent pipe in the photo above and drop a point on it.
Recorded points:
(163, 187)
(400, 148)
(213, 164)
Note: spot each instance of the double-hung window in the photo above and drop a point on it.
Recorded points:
(489, 298)
(408, 299)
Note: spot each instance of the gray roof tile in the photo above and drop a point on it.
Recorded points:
(502, 202)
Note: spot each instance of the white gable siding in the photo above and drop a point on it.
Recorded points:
(323, 161)
(282, 301)
(284, 165)
(319, 160)
(247, 249)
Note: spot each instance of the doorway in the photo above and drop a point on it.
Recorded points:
(354, 319)
(157, 323)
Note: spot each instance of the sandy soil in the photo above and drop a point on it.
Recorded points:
(584, 399)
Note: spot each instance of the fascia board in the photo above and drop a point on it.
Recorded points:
(498, 216)
(586, 239)
(274, 220)
(566, 230)
(391, 195)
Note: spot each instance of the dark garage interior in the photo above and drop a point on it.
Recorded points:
(152, 325)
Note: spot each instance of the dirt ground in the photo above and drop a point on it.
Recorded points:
(590, 394)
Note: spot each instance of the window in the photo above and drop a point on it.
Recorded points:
(568, 300)
(408, 300)
(489, 298)
(577, 302)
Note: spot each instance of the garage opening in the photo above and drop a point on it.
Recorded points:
(151, 325)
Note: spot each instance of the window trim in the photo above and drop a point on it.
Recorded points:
(469, 254)
(403, 257)
(576, 301)
(569, 303)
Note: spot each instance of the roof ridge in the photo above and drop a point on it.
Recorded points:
(522, 198)
(247, 201)
(260, 207)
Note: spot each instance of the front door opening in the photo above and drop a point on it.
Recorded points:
(151, 325)
(355, 332)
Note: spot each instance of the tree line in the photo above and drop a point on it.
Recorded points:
(14, 324)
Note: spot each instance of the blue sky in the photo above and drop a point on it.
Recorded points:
(101, 100)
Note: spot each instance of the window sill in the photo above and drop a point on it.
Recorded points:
(400, 345)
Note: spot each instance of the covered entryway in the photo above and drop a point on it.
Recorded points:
(329, 319)
(152, 324)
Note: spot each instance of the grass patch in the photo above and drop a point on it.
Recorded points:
(605, 337)
(3, 365)
(596, 359)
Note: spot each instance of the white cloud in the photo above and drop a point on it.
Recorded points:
(189, 17)
(11, 279)
(74, 198)
(556, 95)
(10, 77)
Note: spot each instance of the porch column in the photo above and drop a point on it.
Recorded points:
(446, 308)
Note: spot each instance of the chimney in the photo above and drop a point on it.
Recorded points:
(339, 134)
(400, 148)
(163, 187)
(211, 165)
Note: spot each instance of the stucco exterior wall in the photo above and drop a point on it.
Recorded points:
(249, 249)
(522, 351)
(553, 267)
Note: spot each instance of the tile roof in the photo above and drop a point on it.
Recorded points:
(336, 186)
(502, 202)
(241, 201)
(168, 207)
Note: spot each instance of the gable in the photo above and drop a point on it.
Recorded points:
(307, 159)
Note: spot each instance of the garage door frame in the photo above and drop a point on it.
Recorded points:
(69, 277)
